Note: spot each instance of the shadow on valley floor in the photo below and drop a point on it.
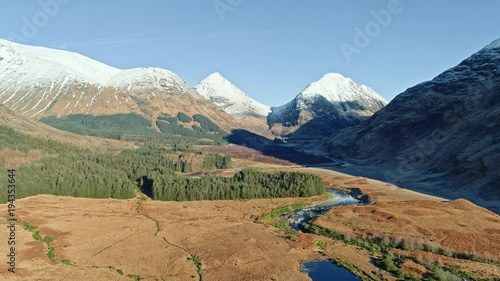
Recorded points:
(434, 184)
(274, 149)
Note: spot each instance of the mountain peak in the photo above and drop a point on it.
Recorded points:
(230, 98)
(333, 76)
(337, 88)
(215, 75)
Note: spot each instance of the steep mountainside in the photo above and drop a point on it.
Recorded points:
(40, 82)
(332, 103)
(449, 126)
(13, 120)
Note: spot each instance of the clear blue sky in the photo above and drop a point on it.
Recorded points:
(270, 49)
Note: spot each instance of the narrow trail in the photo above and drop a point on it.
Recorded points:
(193, 256)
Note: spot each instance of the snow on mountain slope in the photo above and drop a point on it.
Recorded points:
(230, 98)
(29, 66)
(329, 104)
(144, 78)
(51, 64)
(338, 89)
(39, 81)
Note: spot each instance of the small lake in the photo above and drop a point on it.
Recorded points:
(327, 271)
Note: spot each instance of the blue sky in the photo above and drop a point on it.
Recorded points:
(270, 49)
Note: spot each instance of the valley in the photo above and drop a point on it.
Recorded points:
(133, 174)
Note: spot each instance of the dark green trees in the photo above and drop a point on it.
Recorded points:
(246, 184)
(69, 171)
(216, 161)
(183, 117)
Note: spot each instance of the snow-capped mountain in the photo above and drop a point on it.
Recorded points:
(31, 65)
(40, 82)
(230, 98)
(441, 134)
(329, 104)
(339, 89)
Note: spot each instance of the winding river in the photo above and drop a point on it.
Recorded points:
(309, 214)
(323, 270)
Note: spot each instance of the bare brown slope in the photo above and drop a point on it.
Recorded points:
(66, 99)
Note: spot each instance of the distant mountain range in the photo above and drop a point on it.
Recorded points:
(447, 129)
(44, 83)
(332, 103)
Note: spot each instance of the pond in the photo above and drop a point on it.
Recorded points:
(327, 271)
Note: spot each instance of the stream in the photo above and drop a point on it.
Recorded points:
(299, 218)
(322, 270)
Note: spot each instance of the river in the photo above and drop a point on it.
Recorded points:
(309, 214)
(323, 270)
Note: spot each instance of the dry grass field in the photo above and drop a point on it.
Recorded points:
(109, 239)
(459, 225)
(219, 240)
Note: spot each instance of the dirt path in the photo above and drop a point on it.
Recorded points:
(192, 255)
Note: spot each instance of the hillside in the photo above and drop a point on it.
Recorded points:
(13, 120)
(445, 129)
